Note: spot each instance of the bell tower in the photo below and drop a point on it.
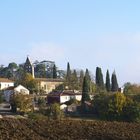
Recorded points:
(29, 67)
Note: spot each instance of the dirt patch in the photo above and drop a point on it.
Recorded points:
(25, 129)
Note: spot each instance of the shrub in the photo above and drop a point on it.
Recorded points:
(23, 102)
(100, 105)
(131, 112)
(55, 111)
(116, 107)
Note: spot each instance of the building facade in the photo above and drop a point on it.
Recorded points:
(5, 83)
(48, 84)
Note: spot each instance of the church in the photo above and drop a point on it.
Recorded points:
(45, 84)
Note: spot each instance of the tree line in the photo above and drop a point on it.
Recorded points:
(73, 81)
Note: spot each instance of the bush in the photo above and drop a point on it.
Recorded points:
(131, 112)
(116, 107)
(100, 105)
(42, 105)
(23, 102)
(55, 112)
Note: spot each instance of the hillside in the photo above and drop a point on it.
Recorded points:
(23, 129)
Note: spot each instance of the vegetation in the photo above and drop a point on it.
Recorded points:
(116, 107)
(23, 102)
(54, 72)
(108, 85)
(99, 79)
(114, 86)
(29, 82)
(55, 111)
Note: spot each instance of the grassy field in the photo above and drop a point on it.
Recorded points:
(25, 129)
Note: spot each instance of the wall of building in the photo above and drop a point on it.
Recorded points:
(48, 86)
(4, 85)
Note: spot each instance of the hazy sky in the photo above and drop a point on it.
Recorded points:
(87, 33)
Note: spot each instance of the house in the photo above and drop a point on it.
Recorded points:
(5, 83)
(48, 84)
(62, 97)
(15, 90)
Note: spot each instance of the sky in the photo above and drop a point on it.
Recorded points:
(86, 33)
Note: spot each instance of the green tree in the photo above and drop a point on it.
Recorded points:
(40, 71)
(54, 72)
(29, 82)
(74, 81)
(108, 85)
(12, 66)
(99, 78)
(85, 91)
(115, 106)
(23, 102)
(68, 77)
(131, 89)
(55, 111)
(81, 78)
(131, 112)
(114, 86)
(88, 75)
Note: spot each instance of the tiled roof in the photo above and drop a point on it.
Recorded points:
(63, 93)
(49, 80)
(6, 80)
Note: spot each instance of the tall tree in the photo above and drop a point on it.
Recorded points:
(85, 90)
(99, 78)
(68, 76)
(108, 85)
(81, 78)
(114, 86)
(87, 75)
(74, 81)
(54, 72)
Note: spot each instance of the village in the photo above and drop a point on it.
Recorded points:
(49, 91)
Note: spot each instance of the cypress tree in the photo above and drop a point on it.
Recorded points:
(54, 72)
(99, 78)
(68, 76)
(85, 90)
(87, 75)
(114, 86)
(81, 78)
(74, 80)
(108, 86)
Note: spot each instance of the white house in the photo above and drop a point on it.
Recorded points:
(15, 90)
(62, 97)
(5, 83)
